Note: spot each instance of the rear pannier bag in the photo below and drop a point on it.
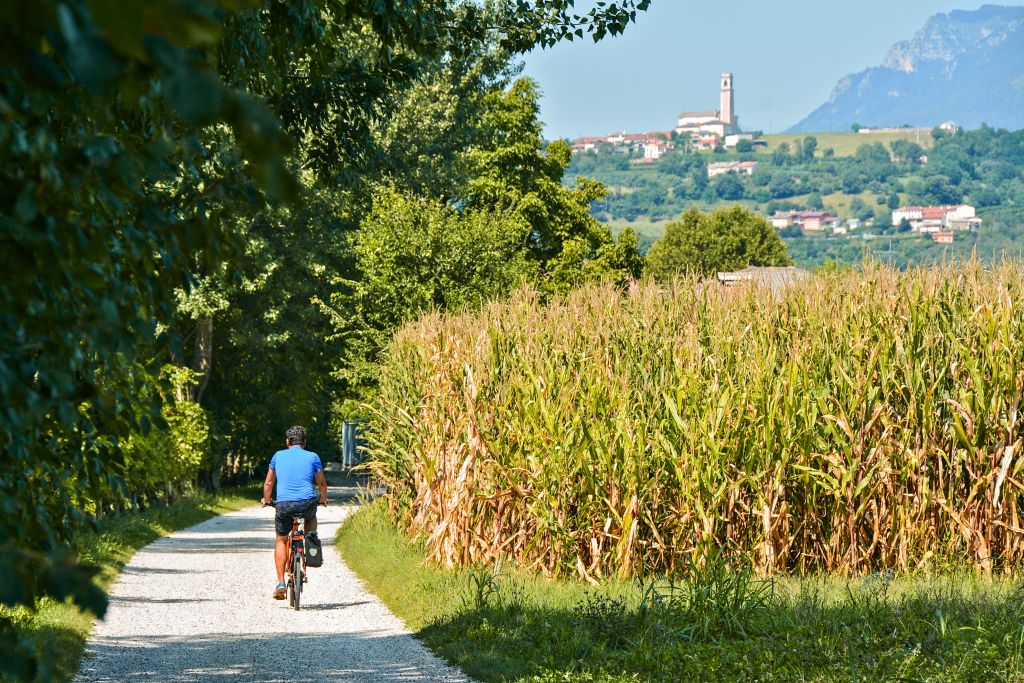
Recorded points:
(314, 551)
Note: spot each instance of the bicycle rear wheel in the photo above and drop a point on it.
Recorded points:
(297, 580)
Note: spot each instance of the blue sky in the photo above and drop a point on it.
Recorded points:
(785, 56)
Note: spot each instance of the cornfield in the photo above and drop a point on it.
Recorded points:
(851, 423)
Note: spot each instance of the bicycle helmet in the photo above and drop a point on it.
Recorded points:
(296, 435)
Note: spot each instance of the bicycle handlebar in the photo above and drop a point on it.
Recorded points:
(273, 504)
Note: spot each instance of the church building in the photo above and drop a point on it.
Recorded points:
(721, 122)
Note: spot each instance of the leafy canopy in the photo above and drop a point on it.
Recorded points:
(725, 239)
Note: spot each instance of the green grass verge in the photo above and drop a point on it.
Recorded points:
(718, 625)
(59, 629)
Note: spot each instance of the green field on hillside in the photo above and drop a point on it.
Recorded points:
(845, 144)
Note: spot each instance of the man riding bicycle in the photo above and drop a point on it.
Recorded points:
(294, 470)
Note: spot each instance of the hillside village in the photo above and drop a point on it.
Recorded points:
(940, 223)
(866, 182)
(698, 130)
(709, 130)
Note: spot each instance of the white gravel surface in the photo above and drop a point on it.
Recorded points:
(196, 606)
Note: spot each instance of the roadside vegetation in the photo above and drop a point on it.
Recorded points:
(716, 623)
(58, 629)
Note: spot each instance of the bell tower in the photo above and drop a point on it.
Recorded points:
(727, 115)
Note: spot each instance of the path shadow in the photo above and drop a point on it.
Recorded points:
(158, 601)
(162, 570)
(206, 545)
(328, 606)
(229, 657)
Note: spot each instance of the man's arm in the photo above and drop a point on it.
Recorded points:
(321, 482)
(268, 486)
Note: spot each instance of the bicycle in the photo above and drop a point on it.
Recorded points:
(295, 560)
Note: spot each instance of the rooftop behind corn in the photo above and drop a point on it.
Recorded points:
(857, 421)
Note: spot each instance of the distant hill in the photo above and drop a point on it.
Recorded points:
(964, 66)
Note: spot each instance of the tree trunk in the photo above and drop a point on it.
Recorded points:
(202, 357)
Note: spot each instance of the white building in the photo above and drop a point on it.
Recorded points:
(718, 168)
(931, 219)
(928, 225)
(734, 139)
(653, 149)
(720, 122)
(587, 144)
(910, 213)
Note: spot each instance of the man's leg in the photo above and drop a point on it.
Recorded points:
(309, 521)
(280, 555)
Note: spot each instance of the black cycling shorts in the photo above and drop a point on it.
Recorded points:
(287, 510)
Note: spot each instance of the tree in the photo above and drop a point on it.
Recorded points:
(985, 197)
(856, 127)
(810, 145)
(906, 152)
(893, 201)
(860, 209)
(699, 178)
(416, 254)
(726, 239)
(510, 174)
(781, 186)
(728, 187)
(744, 146)
(814, 201)
(856, 206)
(780, 157)
(853, 182)
(938, 190)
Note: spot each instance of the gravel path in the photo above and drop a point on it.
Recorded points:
(196, 606)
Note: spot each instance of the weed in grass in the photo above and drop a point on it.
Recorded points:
(605, 619)
(483, 587)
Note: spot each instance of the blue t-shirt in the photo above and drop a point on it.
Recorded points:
(295, 468)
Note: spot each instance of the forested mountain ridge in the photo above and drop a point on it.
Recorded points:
(964, 66)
